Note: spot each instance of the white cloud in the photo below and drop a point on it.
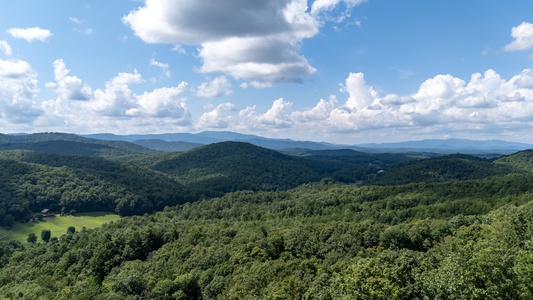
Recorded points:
(69, 87)
(18, 89)
(194, 22)
(277, 117)
(75, 20)
(256, 84)
(116, 98)
(219, 86)
(257, 41)
(219, 117)
(320, 6)
(484, 107)
(179, 49)
(163, 66)
(30, 34)
(523, 37)
(162, 102)
(320, 112)
(87, 31)
(4, 47)
(361, 95)
(113, 109)
(261, 59)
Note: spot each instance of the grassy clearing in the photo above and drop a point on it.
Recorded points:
(58, 225)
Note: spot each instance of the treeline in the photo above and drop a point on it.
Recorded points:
(445, 168)
(32, 181)
(67, 172)
(464, 240)
(134, 184)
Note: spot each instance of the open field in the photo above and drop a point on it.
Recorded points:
(57, 225)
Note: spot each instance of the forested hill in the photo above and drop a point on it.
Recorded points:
(70, 144)
(450, 240)
(231, 166)
(31, 181)
(72, 173)
(522, 160)
(237, 221)
(445, 168)
(64, 172)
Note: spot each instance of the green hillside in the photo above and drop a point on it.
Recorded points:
(32, 181)
(236, 221)
(520, 161)
(443, 168)
(219, 168)
(230, 166)
(319, 241)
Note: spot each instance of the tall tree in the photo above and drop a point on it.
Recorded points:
(46, 235)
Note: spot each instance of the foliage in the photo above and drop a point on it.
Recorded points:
(318, 241)
(46, 235)
(283, 227)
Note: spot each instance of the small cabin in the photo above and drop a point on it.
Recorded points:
(46, 213)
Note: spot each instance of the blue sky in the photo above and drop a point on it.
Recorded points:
(343, 71)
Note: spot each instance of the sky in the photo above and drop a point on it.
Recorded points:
(339, 71)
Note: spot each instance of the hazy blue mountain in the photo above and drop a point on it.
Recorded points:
(166, 146)
(64, 143)
(169, 137)
(443, 146)
(210, 137)
(228, 135)
(451, 145)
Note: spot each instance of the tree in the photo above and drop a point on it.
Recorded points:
(9, 220)
(71, 230)
(46, 235)
(32, 238)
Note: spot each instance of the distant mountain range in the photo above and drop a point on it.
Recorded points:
(186, 141)
(452, 145)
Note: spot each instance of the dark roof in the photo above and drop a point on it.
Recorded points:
(45, 211)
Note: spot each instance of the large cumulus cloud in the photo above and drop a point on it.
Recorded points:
(257, 41)
(486, 106)
(114, 108)
(18, 90)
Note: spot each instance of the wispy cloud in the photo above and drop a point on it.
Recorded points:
(30, 34)
(4, 47)
(75, 20)
(163, 66)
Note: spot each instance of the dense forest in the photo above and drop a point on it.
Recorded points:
(236, 221)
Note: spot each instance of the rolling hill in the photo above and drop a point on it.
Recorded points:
(231, 166)
(443, 168)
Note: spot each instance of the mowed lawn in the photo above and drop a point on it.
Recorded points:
(58, 225)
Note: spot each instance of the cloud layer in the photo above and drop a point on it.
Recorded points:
(484, 106)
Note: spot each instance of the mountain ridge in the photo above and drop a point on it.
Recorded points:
(443, 146)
